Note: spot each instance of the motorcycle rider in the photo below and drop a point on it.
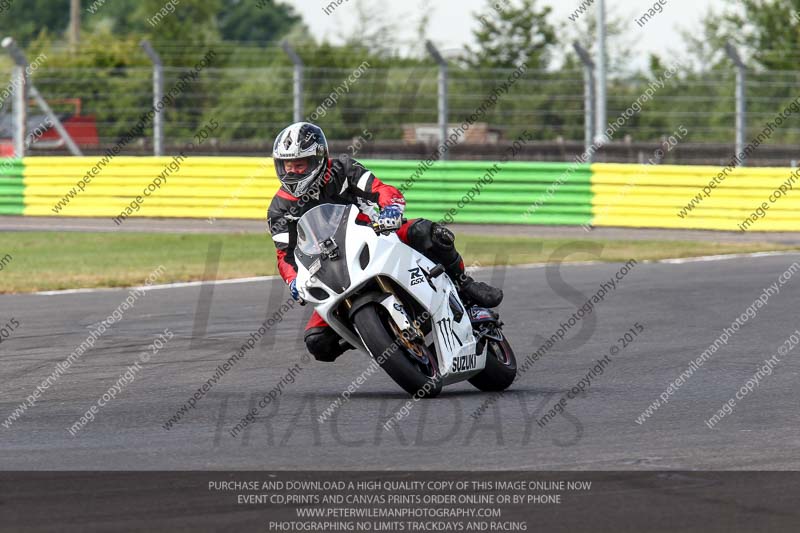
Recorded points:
(309, 177)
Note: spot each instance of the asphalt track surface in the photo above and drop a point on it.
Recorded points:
(683, 307)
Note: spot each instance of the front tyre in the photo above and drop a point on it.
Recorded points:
(501, 365)
(415, 378)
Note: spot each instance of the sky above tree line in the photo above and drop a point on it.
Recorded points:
(451, 21)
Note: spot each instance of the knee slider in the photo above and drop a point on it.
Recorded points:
(323, 344)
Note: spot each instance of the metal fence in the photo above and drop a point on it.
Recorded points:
(403, 106)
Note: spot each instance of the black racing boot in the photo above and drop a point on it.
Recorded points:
(479, 293)
(471, 291)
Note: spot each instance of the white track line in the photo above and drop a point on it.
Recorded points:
(723, 257)
(159, 287)
(677, 261)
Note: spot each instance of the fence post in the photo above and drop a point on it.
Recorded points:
(158, 95)
(741, 99)
(602, 99)
(443, 81)
(21, 103)
(20, 109)
(589, 98)
(298, 80)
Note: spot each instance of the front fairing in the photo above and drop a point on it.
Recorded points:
(322, 237)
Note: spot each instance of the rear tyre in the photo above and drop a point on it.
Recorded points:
(501, 366)
(414, 377)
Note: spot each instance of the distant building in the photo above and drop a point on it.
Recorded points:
(478, 133)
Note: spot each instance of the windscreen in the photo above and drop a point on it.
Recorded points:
(317, 225)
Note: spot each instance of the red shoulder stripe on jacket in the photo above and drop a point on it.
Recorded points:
(387, 194)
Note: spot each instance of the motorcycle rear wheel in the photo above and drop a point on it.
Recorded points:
(501, 366)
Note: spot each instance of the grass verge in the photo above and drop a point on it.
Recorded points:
(68, 260)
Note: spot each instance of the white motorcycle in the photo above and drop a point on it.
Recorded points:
(389, 300)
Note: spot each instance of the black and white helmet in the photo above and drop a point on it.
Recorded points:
(301, 140)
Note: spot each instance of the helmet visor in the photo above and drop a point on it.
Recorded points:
(300, 173)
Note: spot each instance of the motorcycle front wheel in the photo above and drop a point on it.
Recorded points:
(413, 375)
